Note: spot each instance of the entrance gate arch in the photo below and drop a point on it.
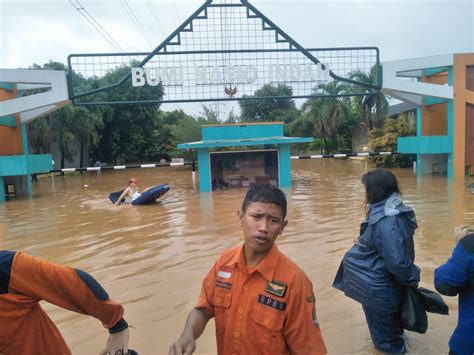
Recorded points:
(225, 51)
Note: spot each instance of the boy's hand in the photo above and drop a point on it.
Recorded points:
(117, 344)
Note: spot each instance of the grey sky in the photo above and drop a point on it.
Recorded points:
(36, 31)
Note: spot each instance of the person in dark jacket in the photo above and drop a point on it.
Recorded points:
(376, 269)
(456, 277)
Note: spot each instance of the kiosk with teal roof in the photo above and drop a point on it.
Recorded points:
(244, 154)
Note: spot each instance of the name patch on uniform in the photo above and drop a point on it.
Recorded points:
(270, 302)
(276, 288)
(222, 284)
(225, 272)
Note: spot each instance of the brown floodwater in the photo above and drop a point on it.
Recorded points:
(152, 258)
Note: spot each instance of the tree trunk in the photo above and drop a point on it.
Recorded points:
(62, 162)
(368, 117)
(324, 140)
(377, 108)
(81, 160)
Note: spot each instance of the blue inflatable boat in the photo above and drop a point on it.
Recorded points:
(148, 196)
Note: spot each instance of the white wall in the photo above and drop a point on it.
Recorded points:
(429, 162)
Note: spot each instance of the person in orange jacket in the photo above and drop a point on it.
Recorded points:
(25, 328)
(262, 302)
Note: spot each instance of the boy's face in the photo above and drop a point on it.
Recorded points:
(262, 223)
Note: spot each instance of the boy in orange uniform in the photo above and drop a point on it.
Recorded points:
(262, 302)
(25, 328)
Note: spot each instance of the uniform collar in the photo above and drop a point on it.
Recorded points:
(266, 266)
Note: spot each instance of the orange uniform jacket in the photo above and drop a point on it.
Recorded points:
(267, 310)
(25, 328)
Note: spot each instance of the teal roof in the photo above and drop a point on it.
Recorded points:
(243, 134)
(243, 142)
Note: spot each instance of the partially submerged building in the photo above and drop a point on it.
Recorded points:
(442, 87)
(244, 154)
(49, 92)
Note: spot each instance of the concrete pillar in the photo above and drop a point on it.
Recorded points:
(285, 165)
(451, 126)
(419, 133)
(204, 166)
(2, 190)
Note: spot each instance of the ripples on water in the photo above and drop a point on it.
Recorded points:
(153, 258)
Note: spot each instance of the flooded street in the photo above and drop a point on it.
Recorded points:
(152, 258)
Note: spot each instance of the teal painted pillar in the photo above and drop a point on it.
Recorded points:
(26, 151)
(24, 139)
(204, 167)
(450, 126)
(450, 136)
(419, 133)
(2, 190)
(285, 165)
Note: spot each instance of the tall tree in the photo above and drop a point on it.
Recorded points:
(368, 102)
(208, 115)
(269, 110)
(39, 135)
(328, 112)
(86, 128)
(61, 121)
(385, 139)
(132, 133)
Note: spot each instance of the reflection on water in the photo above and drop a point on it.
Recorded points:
(153, 258)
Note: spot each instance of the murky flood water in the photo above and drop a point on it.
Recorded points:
(152, 258)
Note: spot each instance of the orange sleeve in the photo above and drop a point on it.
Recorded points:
(206, 297)
(301, 331)
(61, 285)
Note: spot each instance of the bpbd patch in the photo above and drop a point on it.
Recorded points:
(276, 288)
(270, 302)
(223, 284)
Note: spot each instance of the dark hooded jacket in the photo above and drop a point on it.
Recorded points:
(375, 270)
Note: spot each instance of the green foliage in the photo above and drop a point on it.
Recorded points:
(51, 65)
(331, 117)
(269, 110)
(86, 128)
(385, 139)
(136, 133)
(61, 122)
(303, 126)
(208, 116)
(184, 129)
(39, 136)
(119, 133)
(131, 133)
(365, 105)
(232, 118)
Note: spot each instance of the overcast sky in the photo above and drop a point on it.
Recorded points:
(39, 30)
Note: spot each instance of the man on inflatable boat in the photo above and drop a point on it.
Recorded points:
(131, 193)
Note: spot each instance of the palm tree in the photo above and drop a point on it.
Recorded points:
(327, 112)
(39, 135)
(86, 127)
(61, 121)
(367, 102)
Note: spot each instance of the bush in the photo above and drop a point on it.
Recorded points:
(385, 140)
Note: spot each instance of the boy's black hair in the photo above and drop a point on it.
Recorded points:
(265, 194)
(379, 185)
